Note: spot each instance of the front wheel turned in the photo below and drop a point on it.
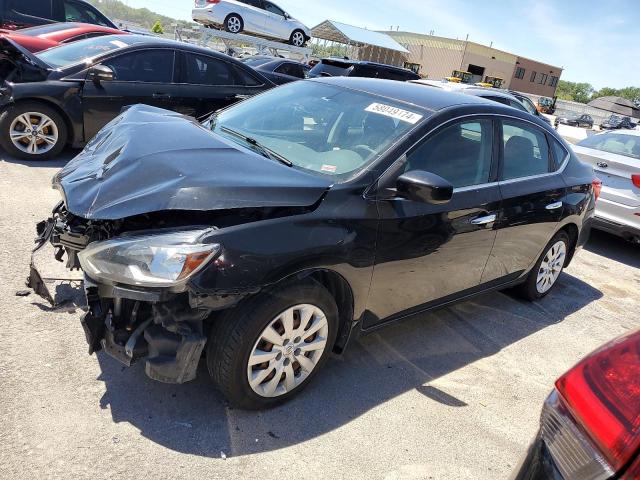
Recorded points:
(267, 350)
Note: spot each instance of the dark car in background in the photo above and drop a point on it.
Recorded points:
(278, 70)
(16, 14)
(615, 122)
(338, 67)
(42, 37)
(64, 95)
(575, 120)
(286, 225)
(590, 424)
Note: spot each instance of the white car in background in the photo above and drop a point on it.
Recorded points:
(259, 17)
(615, 156)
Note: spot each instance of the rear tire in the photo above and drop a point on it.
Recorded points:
(234, 23)
(544, 275)
(256, 329)
(297, 38)
(32, 131)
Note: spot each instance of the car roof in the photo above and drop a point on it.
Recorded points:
(366, 62)
(407, 92)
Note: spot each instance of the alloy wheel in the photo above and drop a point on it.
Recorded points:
(33, 133)
(297, 39)
(234, 25)
(551, 267)
(287, 350)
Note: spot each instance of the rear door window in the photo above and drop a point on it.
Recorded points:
(271, 8)
(79, 12)
(203, 70)
(525, 150)
(291, 69)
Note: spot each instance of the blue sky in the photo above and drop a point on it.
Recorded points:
(596, 41)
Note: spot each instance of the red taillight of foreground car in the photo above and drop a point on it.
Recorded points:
(603, 394)
(635, 179)
(597, 187)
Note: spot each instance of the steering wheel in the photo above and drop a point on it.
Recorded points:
(368, 150)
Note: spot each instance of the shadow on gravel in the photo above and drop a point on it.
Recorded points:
(615, 248)
(193, 418)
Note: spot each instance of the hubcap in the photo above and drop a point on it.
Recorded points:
(298, 39)
(234, 24)
(33, 133)
(288, 350)
(551, 267)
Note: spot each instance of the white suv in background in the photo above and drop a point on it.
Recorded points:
(258, 17)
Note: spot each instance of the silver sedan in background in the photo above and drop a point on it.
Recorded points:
(615, 157)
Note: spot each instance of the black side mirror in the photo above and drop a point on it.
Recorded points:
(100, 73)
(425, 187)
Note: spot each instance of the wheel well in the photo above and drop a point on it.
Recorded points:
(341, 291)
(571, 229)
(57, 108)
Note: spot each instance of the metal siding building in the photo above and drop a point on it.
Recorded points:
(438, 57)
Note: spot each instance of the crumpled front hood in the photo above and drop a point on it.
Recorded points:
(149, 159)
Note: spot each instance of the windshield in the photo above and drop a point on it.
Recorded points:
(619, 143)
(43, 29)
(84, 50)
(322, 128)
(614, 118)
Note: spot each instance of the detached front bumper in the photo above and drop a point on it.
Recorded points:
(162, 328)
(158, 328)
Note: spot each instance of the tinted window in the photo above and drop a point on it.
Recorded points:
(201, 70)
(364, 71)
(398, 75)
(149, 66)
(559, 153)
(627, 145)
(291, 69)
(502, 100)
(79, 12)
(271, 8)
(528, 104)
(35, 8)
(460, 153)
(526, 151)
(328, 68)
(245, 78)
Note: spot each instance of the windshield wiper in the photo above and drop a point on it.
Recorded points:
(265, 151)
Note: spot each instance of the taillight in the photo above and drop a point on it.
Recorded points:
(597, 187)
(603, 394)
(636, 179)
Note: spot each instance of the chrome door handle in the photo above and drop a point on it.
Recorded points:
(602, 164)
(554, 206)
(483, 220)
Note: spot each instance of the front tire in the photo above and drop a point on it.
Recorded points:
(233, 23)
(297, 38)
(32, 131)
(268, 349)
(544, 275)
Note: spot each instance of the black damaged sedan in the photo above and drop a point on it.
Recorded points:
(290, 223)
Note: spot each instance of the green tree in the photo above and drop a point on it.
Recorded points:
(157, 28)
(577, 92)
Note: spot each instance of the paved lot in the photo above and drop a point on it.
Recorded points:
(454, 394)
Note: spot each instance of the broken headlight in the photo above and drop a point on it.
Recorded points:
(149, 260)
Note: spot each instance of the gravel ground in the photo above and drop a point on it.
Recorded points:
(453, 394)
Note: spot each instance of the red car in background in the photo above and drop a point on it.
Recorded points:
(36, 39)
(590, 424)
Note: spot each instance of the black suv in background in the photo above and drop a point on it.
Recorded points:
(338, 67)
(16, 14)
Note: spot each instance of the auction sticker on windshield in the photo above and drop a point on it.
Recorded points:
(394, 112)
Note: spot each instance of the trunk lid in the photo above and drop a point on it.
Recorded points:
(149, 159)
(615, 172)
